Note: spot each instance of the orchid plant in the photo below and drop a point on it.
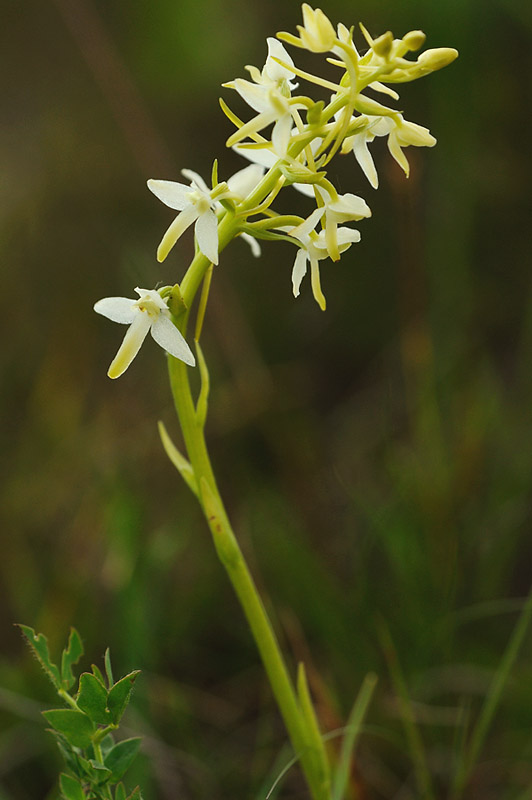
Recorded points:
(289, 140)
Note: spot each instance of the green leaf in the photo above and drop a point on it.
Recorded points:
(135, 794)
(75, 726)
(92, 699)
(71, 655)
(39, 645)
(71, 789)
(98, 674)
(108, 670)
(119, 759)
(119, 695)
(120, 792)
(98, 773)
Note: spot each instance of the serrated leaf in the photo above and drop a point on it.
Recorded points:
(71, 789)
(119, 695)
(39, 645)
(119, 759)
(75, 726)
(71, 655)
(120, 792)
(92, 699)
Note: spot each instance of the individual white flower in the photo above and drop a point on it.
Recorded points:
(369, 128)
(149, 313)
(269, 95)
(344, 208)
(196, 204)
(313, 250)
(400, 133)
(403, 134)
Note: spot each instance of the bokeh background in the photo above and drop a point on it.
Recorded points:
(376, 459)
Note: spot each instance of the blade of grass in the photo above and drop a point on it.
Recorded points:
(493, 699)
(413, 736)
(352, 731)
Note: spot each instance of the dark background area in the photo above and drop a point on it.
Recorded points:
(376, 458)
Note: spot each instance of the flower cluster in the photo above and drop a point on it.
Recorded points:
(304, 135)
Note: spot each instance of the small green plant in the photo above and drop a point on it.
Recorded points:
(94, 763)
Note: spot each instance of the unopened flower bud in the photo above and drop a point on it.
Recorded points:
(317, 34)
(413, 40)
(383, 44)
(440, 57)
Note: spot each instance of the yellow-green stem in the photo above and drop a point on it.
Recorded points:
(232, 558)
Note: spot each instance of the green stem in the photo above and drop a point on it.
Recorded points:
(233, 560)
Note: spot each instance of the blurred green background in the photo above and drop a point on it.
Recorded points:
(376, 459)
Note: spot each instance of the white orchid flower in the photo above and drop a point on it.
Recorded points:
(269, 95)
(196, 204)
(313, 250)
(149, 313)
(403, 134)
(400, 133)
(344, 208)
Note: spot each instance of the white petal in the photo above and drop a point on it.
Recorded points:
(299, 271)
(171, 339)
(305, 188)
(273, 70)
(316, 284)
(135, 335)
(172, 194)
(302, 231)
(262, 155)
(395, 149)
(118, 309)
(207, 235)
(281, 135)
(178, 226)
(194, 177)
(255, 246)
(258, 97)
(245, 180)
(365, 159)
(349, 207)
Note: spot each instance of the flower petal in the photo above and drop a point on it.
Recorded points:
(349, 207)
(259, 155)
(365, 159)
(272, 69)
(195, 177)
(302, 231)
(171, 339)
(172, 194)
(255, 246)
(245, 180)
(299, 270)
(281, 135)
(207, 235)
(117, 309)
(316, 285)
(178, 226)
(131, 345)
